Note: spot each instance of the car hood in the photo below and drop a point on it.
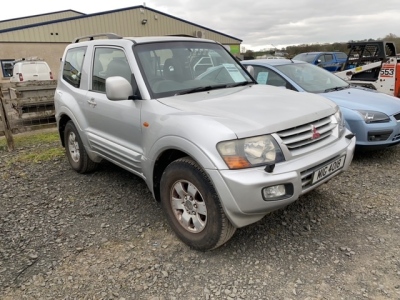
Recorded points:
(254, 110)
(364, 99)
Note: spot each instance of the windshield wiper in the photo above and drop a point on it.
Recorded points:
(239, 84)
(201, 89)
(212, 87)
(337, 88)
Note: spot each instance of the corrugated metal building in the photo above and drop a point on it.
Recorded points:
(46, 35)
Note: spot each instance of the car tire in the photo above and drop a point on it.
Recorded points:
(75, 150)
(192, 206)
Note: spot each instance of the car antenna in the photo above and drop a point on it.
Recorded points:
(291, 59)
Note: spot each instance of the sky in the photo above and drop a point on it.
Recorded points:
(261, 25)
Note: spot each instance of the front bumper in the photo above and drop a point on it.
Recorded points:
(240, 191)
(376, 135)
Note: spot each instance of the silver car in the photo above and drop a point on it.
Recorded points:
(218, 150)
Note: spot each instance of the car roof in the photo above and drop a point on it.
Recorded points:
(313, 52)
(273, 62)
(139, 40)
(146, 39)
(30, 62)
(319, 52)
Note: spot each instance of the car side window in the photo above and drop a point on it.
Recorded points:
(266, 76)
(109, 62)
(328, 57)
(72, 67)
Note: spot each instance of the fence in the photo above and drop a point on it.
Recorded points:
(26, 106)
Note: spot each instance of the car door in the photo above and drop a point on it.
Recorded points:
(328, 62)
(114, 128)
(43, 71)
(264, 75)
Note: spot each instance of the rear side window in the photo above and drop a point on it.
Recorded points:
(326, 57)
(72, 67)
(341, 55)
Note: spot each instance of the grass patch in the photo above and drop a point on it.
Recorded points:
(31, 139)
(43, 146)
(34, 138)
(39, 155)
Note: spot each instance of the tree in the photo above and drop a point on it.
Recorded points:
(249, 54)
(395, 39)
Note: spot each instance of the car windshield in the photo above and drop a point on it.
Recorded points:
(311, 78)
(307, 57)
(182, 67)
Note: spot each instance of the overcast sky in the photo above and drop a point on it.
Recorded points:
(261, 24)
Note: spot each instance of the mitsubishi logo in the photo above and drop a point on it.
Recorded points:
(315, 133)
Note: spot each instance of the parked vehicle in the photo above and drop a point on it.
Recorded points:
(30, 69)
(219, 152)
(331, 61)
(374, 65)
(373, 117)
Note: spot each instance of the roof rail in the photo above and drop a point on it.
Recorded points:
(91, 37)
(32, 58)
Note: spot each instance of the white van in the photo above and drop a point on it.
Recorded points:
(28, 70)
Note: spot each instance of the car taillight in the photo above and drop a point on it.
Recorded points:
(21, 78)
(51, 75)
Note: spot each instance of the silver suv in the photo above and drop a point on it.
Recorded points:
(215, 148)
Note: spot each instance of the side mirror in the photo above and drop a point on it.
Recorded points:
(118, 88)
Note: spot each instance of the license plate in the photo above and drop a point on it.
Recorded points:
(328, 169)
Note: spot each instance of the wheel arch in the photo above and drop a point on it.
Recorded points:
(167, 154)
(161, 163)
(62, 122)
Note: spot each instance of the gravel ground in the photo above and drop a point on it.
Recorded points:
(101, 236)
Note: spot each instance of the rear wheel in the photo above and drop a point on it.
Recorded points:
(192, 206)
(75, 151)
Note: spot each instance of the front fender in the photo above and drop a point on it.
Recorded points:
(180, 144)
(207, 161)
(353, 121)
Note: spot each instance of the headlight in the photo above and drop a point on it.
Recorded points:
(340, 121)
(250, 152)
(371, 116)
(339, 117)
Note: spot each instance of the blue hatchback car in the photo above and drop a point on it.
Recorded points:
(372, 116)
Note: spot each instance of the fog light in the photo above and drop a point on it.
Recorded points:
(273, 192)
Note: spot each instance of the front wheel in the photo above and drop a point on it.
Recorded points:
(75, 151)
(192, 206)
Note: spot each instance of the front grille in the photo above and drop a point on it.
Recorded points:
(302, 136)
(306, 175)
(397, 116)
